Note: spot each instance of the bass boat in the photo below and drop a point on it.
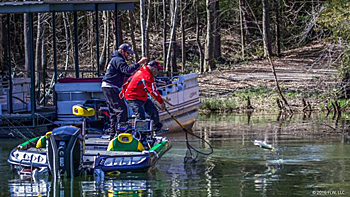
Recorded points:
(70, 150)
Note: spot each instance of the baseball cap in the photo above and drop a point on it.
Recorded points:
(127, 48)
(156, 64)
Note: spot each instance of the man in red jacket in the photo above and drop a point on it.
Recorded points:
(137, 97)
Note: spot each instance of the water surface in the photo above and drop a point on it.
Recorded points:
(311, 158)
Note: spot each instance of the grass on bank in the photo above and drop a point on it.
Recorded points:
(265, 99)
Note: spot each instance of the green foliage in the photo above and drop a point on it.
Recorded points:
(218, 104)
(258, 91)
(322, 105)
(335, 19)
(344, 103)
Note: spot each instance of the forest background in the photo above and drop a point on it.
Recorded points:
(262, 55)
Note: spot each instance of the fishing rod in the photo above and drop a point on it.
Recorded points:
(189, 146)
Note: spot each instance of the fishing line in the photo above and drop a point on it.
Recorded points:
(188, 145)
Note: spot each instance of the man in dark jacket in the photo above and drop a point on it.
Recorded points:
(116, 74)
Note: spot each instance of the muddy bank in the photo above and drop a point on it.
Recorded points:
(309, 72)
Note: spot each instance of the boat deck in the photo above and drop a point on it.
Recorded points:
(112, 153)
(91, 140)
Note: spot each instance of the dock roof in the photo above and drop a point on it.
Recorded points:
(65, 6)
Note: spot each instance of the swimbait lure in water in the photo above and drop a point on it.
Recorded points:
(263, 144)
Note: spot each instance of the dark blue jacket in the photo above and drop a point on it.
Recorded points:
(118, 71)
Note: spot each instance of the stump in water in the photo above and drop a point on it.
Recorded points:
(249, 106)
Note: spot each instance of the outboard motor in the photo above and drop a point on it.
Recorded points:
(65, 152)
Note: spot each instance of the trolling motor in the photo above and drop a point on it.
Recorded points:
(65, 147)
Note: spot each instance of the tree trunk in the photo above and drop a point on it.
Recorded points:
(170, 55)
(91, 26)
(120, 31)
(67, 31)
(173, 11)
(266, 29)
(209, 60)
(38, 66)
(115, 35)
(245, 18)
(278, 31)
(200, 48)
(132, 34)
(104, 46)
(183, 39)
(241, 27)
(143, 28)
(43, 63)
(279, 91)
(71, 36)
(149, 6)
(164, 34)
(108, 53)
(26, 44)
(216, 30)
(2, 41)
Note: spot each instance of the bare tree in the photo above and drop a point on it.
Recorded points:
(200, 48)
(43, 62)
(266, 29)
(26, 44)
(143, 28)
(216, 30)
(132, 34)
(2, 41)
(183, 39)
(108, 51)
(209, 56)
(103, 56)
(117, 30)
(172, 41)
(164, 33)
(284, 105)
(67, 33)
(92, 39)
(241, 27)
(278, 31)
(173, 11)
(149, 6)
(38, 66)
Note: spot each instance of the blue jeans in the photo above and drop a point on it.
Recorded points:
(141, 107)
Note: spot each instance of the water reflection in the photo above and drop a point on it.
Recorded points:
(18, 187)
(130, 185)
(247, 127)
(311, 154)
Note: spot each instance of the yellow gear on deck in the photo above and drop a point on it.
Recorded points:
(80, 110)
(125, 142)
(41, 143)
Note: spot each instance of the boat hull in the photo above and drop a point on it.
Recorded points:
(96, 157)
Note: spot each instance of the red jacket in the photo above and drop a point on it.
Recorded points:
(133, 89)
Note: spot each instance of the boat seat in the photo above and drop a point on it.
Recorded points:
(41, 143)
(125, 142)
(81, 110)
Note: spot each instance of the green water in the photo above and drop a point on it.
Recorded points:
(311, 158)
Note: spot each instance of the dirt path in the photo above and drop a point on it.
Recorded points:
(305, 69)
